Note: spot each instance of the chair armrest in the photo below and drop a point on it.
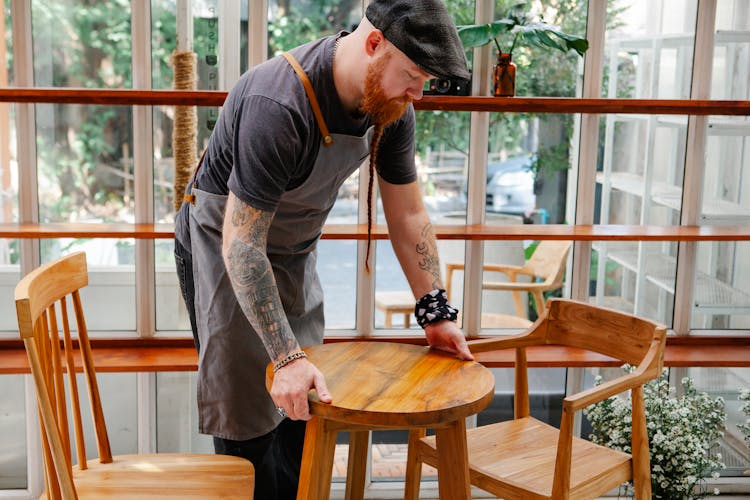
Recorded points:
(514, 286)
(533, 336)
(649, 370)
(601, 392)
(503, 268)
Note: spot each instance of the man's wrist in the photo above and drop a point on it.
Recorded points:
(292, 356)
(434, 307)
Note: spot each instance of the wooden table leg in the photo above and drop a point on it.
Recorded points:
(317, 461)
(453, 461)
(356, 473)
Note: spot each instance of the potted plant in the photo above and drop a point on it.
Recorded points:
(515, 29)
(683, 435)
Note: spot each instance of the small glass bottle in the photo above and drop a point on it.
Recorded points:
(505, 76)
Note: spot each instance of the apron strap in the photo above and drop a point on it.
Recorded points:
(190, 198)
(327, 139)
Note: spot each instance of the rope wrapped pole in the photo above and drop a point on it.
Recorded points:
(184, 133)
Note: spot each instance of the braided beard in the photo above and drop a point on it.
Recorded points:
(382, 111)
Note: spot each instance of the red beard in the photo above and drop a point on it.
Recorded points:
(381, 109)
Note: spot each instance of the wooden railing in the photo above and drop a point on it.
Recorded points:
(128, 97)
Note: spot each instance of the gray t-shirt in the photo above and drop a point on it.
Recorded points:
(266, 139)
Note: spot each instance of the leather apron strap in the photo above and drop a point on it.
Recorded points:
(327, 139)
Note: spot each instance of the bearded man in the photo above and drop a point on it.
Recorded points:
(289, 134)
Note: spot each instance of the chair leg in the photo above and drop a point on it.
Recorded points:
(357, 466)
(640, 450)
(413, 465)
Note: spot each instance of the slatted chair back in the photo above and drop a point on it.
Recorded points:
(548, 262)
(43, 299)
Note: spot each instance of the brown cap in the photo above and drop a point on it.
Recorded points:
(425, 32)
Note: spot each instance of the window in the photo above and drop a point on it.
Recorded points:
(91, 164)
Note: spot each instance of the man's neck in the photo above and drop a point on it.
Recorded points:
(347, 73)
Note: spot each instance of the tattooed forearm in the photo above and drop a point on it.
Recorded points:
(253, 281)
(429, 261)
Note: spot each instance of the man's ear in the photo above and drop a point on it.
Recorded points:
(374, 40)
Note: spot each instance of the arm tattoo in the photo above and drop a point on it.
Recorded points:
(253, 281)
(429, 261)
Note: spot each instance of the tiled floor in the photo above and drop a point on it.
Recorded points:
(388, 462)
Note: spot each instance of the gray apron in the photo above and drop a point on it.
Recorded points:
(232, 399)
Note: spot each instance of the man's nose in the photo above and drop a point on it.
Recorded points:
(414, 93)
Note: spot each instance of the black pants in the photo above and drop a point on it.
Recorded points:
(276, 456)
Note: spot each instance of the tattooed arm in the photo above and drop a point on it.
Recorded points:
(245, 234)
(413, 240)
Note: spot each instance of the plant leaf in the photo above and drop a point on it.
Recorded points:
(543, 35)
(476, 35)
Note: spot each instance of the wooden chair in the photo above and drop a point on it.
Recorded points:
(527, 459)
(546, 268)
(42, 301)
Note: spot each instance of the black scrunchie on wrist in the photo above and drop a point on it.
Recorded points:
(434, 307)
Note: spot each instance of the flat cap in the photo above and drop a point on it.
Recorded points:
(425, 32)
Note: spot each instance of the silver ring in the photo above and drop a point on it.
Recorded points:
(281, 411)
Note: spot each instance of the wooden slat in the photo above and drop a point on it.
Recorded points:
(179, 355)
(583, 232)
(127, 97)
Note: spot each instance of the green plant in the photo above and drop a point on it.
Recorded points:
(683, 435)
(745, 427)
(524, 28)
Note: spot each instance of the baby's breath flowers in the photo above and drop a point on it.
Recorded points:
(683, 435)
(745, 427)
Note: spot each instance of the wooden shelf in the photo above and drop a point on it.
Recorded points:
(129, 97)
(581, 232)
(173, 355)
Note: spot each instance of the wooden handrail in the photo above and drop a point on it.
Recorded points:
(473, 232)
(128, 97)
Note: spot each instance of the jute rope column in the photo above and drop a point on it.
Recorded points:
(184, 133)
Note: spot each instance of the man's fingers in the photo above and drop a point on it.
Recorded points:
(321, 388)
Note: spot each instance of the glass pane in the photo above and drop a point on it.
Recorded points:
(728, 383)
(649, 49)
(119, 402)
(177, 415)
(109, 299)
(13, 457)
(337, 267)
(10, 274)
(543, 71)
(635, 277)
(721, 297)
(294, 22)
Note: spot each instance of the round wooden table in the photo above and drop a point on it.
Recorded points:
(386, 385)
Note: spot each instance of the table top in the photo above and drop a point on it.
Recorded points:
(397, 385)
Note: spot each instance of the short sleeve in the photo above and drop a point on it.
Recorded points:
(268, 142)
(396, 151)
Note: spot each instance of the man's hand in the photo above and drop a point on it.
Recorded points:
(291, 385)
(446, 336)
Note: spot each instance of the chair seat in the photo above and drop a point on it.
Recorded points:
(398, 301)
(166, 475)
(522, 453)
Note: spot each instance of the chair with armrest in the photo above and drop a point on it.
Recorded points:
(527, 459)
(545, 267)
(43, 298)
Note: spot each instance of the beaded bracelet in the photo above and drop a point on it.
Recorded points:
(288, 359)
(434, 307)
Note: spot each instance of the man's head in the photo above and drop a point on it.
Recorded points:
(408, 42)
(424, 31)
